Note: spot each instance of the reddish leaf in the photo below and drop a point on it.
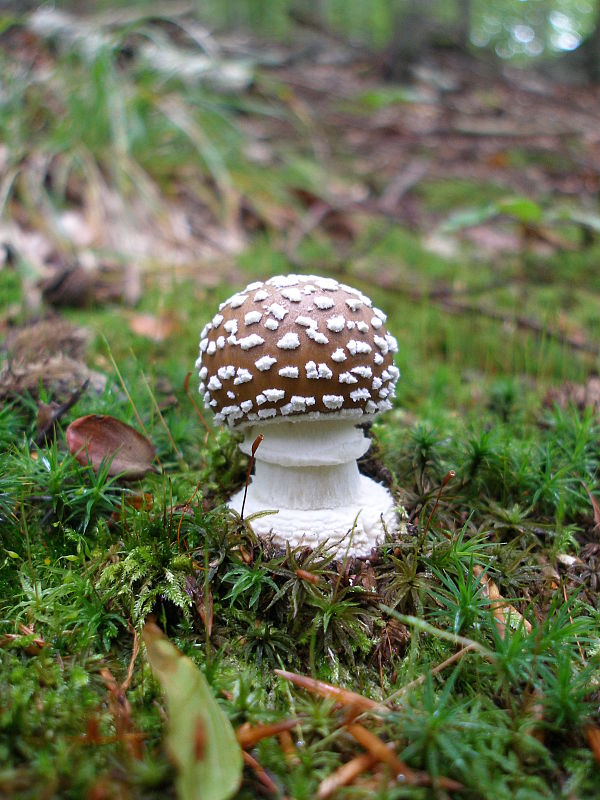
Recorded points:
(96, 437)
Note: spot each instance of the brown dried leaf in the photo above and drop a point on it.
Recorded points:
(98, 437)
(501, 609)
(593, 736)
(156, 328)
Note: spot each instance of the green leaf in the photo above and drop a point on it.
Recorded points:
(521, 208)
(469, 217)
(201, 740)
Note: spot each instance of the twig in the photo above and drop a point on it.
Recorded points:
(342, 696)
(260, 773)
(434, 671)
(134, 654)
(345, 775)
(525, 323)
(57, 412)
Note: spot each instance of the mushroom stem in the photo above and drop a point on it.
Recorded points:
(305, 487)
(307, 471)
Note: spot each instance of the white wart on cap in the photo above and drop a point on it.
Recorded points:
(297, 346)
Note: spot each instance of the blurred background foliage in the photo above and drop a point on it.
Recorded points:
(518, 30)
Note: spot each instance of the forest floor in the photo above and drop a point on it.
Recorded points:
(148, 171)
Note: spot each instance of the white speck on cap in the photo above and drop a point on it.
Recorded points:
(381, 344)
(377, 383)
(283, 280)
(231, 395)
(380, 314)
(260, 295)
(238, 300)
(242, 376)
(335, 324)
(231, 326)
(235, 412)
(203, 345)
(371, 407)
(250, 341)
(214, 384)
(354, 303)
(364, 372)
(323, 303)
(351, 324)
(212, 348)
(362, 326)
(260, 399)
(226, 372)
(205, 330)
(392, 343)
(252, 286)
(293, 294)
(265, 363)
(203, 373)
(333, 401)
(220, 342)
(329, 284)
(246, 406)
(306, 322)
(271, 324)
(355, 347)
(290, 341)
(376, 322)
(311, 370)
(217, 320)
(289, 372)
(378, 358)
(317, 336)
(339, 356)
(309, 288)
(252, 317)
(360, 394)
(394, 372)
(274, 395)
(384, 405)
(346, 377)
(277, 310)
(265, 413)
(324, 371)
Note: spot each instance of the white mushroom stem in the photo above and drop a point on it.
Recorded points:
(307, 471)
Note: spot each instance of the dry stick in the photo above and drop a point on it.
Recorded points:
(183, 513)
(255, 446)
(382, 752)
(134, 654)
(59, 412)
(129, 397)
(571, 621)
(260, 773)
(345, 775)
(456, 307)
(248, 735)
(445, 481)
(342, 696)
(186, 389)
(421, 679)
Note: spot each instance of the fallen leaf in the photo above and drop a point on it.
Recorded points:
(97, 437)
(201, 740)
(503, 611)
(156, 328)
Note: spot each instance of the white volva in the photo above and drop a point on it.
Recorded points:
(307, 472)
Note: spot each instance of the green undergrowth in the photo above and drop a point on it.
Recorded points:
(83, 566)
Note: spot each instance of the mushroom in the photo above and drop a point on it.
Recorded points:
(302, 360)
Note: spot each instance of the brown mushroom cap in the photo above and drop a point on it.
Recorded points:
(297, 346)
